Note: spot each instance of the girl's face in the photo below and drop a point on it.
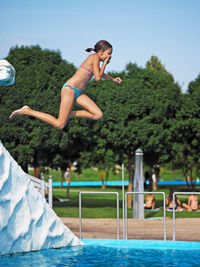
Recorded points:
(105, 54)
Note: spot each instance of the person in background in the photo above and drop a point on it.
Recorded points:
(193, 204)
(169, 201)
(150, 202)
(68, 179)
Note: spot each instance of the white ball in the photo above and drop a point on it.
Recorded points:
(7, 73)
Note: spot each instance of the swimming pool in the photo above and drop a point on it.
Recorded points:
(109, 252)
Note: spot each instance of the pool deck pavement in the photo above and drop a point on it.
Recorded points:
(187, 229)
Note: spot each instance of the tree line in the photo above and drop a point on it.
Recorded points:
(147, 110)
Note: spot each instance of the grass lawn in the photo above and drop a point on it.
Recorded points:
(93, 175)
(86, 175)
(104, 206)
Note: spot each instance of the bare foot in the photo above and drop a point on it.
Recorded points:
(21, 111)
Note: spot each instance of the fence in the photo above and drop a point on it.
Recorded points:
(80, 209)
(174, 213)
(125, 219)
(41, 186)
(164, 212)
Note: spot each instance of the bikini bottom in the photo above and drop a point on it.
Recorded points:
(76, 91)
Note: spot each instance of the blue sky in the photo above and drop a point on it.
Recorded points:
(137, 29)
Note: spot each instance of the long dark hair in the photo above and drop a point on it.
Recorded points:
(170, 197)
(100, 45)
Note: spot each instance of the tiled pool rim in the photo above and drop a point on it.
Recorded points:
(142, 244)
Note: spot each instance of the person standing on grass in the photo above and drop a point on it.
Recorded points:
(68, 179)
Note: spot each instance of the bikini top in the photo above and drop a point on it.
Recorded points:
(86, 69)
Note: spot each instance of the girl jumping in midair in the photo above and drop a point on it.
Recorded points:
(73, 89)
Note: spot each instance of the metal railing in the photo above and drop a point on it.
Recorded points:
(41, 186)
(164, 211)
(94, 192)
(174, 213)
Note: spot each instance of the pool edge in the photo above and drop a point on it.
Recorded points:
(142, 244)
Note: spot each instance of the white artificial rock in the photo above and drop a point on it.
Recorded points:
(7, 73)
(27, 223)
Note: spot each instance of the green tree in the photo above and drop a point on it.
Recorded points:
(154, 64)
(137, 113)
(187, 133)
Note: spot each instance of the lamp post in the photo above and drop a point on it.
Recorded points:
(138, 200)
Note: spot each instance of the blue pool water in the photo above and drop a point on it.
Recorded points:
(112, 253)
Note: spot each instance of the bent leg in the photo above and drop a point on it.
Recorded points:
(67, 99)
(91, 110)
(186, 207)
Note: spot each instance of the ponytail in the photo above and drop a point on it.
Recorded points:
(100, 45)
(89, 50)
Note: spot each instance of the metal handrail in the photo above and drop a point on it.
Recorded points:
(80, 209)
(137, 193)
(174, 214)
(41, 186)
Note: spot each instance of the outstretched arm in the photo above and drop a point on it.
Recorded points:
(107, 77)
